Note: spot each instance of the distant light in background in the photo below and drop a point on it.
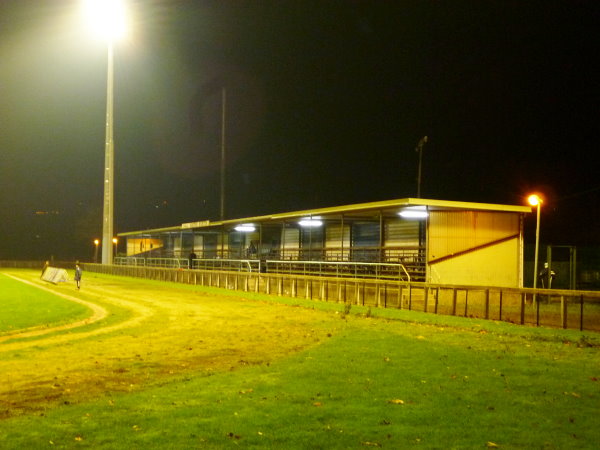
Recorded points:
(414, 212)
(311, 222)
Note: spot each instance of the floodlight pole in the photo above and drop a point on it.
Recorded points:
(108, 210)
(223, 115)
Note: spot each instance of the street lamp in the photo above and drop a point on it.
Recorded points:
(535, 200)
(115, 241)
(96, 243)
(107, 19)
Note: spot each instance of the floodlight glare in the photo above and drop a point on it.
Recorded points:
(534, 200)
(106, 18)
(311, 222)
(414, 212)
(245, 228)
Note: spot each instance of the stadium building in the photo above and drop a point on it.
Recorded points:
(435, 241)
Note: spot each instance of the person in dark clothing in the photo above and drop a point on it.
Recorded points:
(546, 276)
(78, 273)
(192, 257)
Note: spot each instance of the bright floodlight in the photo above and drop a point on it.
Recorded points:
(106, 18)
(534, 200)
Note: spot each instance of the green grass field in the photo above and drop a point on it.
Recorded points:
(23, 306)
(179, 366)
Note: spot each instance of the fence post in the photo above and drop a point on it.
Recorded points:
(487, 304)
(454, 294)
(399, 295)
(581, 314)
(500, 307)
(563, 311)
(436, 300)
(425, 295)
(522, 308)
(385, 295)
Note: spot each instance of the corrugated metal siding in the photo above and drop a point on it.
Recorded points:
(290, 243)
(334, 236)
(401, 233)
(337, 243)
(452, 232)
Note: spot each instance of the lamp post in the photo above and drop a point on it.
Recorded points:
(96, 243)
(115, 241)
(107, 18)
(535, 200)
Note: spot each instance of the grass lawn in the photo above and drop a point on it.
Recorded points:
(222, 369)
(23, 306)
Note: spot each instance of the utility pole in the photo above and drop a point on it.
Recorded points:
(419, 150)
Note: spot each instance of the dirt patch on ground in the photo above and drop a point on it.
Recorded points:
(158, 332)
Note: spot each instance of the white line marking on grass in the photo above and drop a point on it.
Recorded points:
(142, 313)
(98, 313)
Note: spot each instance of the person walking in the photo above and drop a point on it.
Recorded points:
(78, 273)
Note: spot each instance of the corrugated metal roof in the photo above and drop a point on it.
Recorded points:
(386, 206)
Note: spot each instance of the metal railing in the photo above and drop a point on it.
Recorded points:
(378, 271)
(238, 265)
(173, 263)
(129, 261)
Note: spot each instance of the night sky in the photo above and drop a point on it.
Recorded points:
(326, 101)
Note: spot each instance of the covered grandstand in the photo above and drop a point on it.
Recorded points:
(435, 241)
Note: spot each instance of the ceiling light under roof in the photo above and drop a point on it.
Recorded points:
(311, 222)
(245, 228)
(414, 212)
